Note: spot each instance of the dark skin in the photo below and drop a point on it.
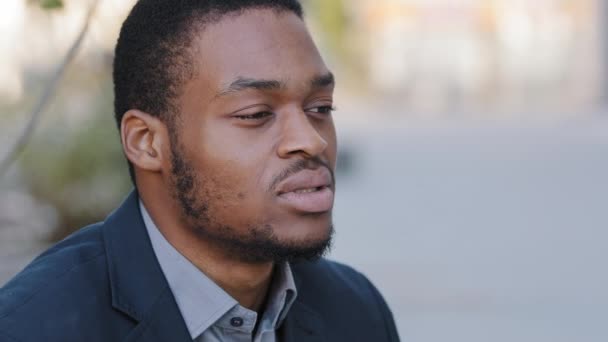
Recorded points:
(259, 101)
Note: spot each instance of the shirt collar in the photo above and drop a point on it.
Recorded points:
(201, 301)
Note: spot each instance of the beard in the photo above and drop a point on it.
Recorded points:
(255, 242)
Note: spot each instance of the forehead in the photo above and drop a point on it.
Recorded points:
(258, 43)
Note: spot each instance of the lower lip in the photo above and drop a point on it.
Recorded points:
(310, 202)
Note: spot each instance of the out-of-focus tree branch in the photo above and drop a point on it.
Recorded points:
(50, 88)
(48, 4)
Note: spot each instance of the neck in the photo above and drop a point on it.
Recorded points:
(247, 283)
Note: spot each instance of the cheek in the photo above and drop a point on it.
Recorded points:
(238, 166)
(233, 186)
(235, 197)
(329, 134)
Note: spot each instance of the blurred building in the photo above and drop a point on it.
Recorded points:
(430, 56)
(454, 55)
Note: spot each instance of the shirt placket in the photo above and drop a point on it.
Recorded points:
(238, 324)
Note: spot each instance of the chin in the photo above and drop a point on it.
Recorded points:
(305, 229)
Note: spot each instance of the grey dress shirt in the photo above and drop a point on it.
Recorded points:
(209, 312)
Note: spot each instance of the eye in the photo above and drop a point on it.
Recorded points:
(256, 116)
(325, 110)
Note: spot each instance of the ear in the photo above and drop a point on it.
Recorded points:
(143, 137)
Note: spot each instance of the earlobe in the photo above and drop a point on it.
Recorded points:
(142, 136)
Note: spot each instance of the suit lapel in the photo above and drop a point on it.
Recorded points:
(302, 324)
(139, 288)
(164, 323)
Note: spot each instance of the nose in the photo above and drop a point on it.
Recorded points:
(300, 137)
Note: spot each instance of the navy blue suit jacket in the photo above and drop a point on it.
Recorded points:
(104, 283)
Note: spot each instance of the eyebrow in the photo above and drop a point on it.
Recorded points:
(244, 83)
(323, 81)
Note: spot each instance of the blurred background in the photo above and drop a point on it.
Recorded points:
(473, 153)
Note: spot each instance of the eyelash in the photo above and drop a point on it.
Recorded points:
(256, 116)
(325, 110)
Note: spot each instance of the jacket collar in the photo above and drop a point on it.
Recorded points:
(302, 323)
(139, 288)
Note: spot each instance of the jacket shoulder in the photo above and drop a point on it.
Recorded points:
(346, 299)
(334, 276)
(55, 289)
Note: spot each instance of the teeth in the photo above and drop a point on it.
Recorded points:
(306, 191)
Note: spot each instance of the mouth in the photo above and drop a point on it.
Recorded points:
(308, 191)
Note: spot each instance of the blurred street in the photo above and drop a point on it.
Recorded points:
(482, 232)
(474, 231)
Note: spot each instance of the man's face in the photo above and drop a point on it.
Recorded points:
(254, 146)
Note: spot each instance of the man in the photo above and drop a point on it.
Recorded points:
(224, 110)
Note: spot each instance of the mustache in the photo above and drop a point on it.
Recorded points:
(300, 165)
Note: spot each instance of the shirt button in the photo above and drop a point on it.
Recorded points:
(236, 322)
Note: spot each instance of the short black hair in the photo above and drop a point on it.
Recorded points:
(153, 55)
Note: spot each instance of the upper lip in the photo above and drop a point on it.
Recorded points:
(305, 179)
